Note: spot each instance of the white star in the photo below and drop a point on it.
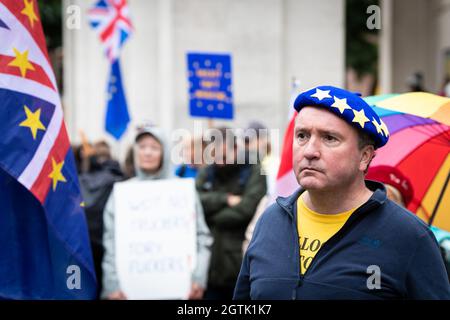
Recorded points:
(321, 94)
(384, 128)
(378, 126)
(341, 104)
(360, 117)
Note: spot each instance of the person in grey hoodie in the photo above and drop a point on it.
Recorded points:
(152, 162)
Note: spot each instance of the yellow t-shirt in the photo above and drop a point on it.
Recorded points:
(315, 229)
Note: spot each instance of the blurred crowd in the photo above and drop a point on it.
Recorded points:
(231, 196)
(232, 185)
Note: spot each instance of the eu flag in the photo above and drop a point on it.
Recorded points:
(117, 117)
(45, 252)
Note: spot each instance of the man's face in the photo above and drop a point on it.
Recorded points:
(325, 151)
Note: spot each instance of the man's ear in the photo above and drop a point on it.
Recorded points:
(367, 154)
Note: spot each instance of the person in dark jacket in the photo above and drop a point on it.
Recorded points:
(96, 185)
(229, 192)
(339, 236)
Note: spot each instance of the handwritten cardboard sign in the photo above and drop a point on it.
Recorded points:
(155, 238)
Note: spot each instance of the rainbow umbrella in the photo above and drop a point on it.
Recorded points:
(419, 146)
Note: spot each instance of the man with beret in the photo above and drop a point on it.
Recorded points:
(339, 236)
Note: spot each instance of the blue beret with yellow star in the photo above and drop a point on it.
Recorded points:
(348, 106)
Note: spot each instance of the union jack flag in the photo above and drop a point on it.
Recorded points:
(43, 228)
(111, 20)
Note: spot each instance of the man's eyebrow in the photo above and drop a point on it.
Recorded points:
(330, 132)
(321, 131)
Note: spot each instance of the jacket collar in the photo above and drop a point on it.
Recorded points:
(378, 197)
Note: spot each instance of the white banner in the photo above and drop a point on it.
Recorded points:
(155, 237)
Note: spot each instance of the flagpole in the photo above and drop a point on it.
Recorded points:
(210, 123)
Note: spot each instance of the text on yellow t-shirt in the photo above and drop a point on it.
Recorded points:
(315, 229)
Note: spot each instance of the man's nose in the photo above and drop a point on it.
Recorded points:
(312, 149)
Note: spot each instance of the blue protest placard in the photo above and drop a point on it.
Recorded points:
(210, 90)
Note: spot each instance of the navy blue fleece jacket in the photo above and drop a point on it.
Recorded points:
(380, 241)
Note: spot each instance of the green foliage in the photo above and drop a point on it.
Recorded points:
(51, 16)
(361, 43)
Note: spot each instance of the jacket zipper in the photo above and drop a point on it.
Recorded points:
(300, 277)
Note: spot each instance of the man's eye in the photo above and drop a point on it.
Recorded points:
(301, 136)
(330, 138)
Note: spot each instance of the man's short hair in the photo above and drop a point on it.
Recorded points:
(364, 140)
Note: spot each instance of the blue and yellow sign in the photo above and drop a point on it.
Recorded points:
(210, 91)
